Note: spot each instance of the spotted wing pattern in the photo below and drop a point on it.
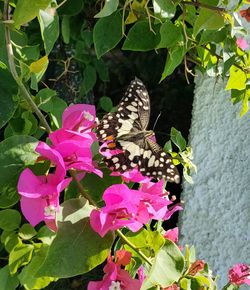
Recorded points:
(125, 130)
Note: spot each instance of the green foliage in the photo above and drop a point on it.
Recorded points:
(16, 153)
(167, 268)
(7, 103)
(104, 40)
(97, 33)
(90, 249)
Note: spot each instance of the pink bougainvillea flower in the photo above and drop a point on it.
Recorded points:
(75, 149)
(133, 175)
(245, 13)
(242, 43)
(40, 194)
(115, 278)
(79, 118)
(172, 235)
(131, 208)
(172, 287)
(239, 274)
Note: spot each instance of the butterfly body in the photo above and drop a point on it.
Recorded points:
(126, 130)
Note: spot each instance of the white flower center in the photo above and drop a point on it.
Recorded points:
(115, 285)
(88, 116)
(49, 210)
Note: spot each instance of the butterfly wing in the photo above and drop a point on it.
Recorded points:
(132, 114)
(158, 164)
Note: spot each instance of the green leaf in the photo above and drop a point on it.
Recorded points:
(208, 19)
(76, 248)
(167, 267)
(8, 281)
(26, 10)
(140, 38)
(10, 240)
(71, 7)
(44, 96)
(16, 153)
(213, 36)
(178, 139)
(89, 78)
(55, 106)
(174, 58)
(10, 219)
(37, 70)
(244, 108)
(170, 35)
(27, 277)
(49, 25)
(102, 70)
(65, 29)
(27, 232)
(109, 7)
(106, 103)
(95, 185)
(20, 256)
(29, 52)
(107, 33)
(168, 147)
(146, 240)
(45, 235)
(185, 284)
(8, 91)
(237, 79)
(164, 9)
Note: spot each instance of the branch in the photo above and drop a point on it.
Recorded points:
(203, 5)
(14, 73)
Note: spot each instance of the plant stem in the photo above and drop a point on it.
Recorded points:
(139, 252)
(83, 193)
(198, 4)
(25, 93)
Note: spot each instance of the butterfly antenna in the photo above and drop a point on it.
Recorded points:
(156, 120)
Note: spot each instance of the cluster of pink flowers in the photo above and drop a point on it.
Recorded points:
(239, 274)
(70, 149)
(132, 208)
(116, 277)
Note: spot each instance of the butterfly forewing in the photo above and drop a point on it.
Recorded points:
(126, 129)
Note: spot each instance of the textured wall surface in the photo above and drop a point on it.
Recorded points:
(216, 218)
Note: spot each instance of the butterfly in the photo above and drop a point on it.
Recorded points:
(125, 132)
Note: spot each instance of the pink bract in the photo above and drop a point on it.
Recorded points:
(131, 208)
(79, 117)
(239, 274)
(172, 235)
(115, 276)
(75, 149)
(242, 43)
(40, 194)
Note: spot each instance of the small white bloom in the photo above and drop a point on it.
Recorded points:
(88, 116)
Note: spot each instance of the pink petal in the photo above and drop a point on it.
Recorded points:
(242, 43)
(78, 117)
(33, 209)
(29, 184)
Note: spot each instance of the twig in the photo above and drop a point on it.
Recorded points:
(61, 4)
(13, 71)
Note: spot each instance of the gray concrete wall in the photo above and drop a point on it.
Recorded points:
(216, 218)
